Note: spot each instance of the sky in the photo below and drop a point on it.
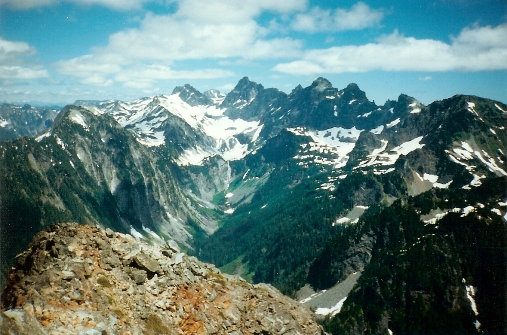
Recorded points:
(59, 51)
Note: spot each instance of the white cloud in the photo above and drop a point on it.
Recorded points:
(114, 4)
(192, 33)
(26, 4)
(301, 67)
(474, 49)
(176, 37)
(10, 50)
(90, 69)
(19, 72)
(146, 76)
(14, 64)
(359, 16)
(84, 65)
(238, 11)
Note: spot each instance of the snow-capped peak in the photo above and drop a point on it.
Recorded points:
(148, 117)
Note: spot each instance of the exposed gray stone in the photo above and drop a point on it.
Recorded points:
(108, 283)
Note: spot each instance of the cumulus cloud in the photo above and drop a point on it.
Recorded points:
(14, 63)
(170, 38)
(114, 4)
(359, 16)
(238, 11)
(147, 76)
(191, 33)
(474, 49)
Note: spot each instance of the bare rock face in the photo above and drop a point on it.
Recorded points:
(77, 279)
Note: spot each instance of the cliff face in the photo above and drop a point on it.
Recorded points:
(82, 279)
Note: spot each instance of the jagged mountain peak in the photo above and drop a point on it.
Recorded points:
(245, 84)
(243, 93)
(405, 98)
(245, 81)
(297, 89)
(352, 91)
(321, 84)
(191, 95)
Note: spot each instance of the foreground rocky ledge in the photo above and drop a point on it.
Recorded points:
(77, 279)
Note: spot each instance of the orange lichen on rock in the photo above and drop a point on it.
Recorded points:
(82, 279)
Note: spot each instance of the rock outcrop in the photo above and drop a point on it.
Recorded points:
(79, 279)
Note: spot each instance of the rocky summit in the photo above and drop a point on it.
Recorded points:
(81, 279)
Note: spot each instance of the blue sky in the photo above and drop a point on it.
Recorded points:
(57, 51)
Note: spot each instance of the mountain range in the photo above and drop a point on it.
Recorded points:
(384, 219)
(17, 121)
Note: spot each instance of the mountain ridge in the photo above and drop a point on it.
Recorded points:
(262, 183)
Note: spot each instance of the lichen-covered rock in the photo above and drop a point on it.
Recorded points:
(77, 279)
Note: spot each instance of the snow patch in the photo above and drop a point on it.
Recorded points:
(409, 146)
(60, 142)
(471, 108)
(153, 139)
(333, 310)
(137, 235)
(470, 292)
(433, 180)
(76, 117)
(42, 136)
(466, 153)
(434, 218)
(393, 123)
(152, 233)
(193, 156)
(467, 210)
(377, 130)
(477, 180)
(379, 156)
(352, 217)
(328, 186)
(489, 162)
(336, 143)
(500, 108)
(496, 211)
(386, 171)
(415, 108)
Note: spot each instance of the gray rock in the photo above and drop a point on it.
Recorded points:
(108, 283)
(147, 263)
